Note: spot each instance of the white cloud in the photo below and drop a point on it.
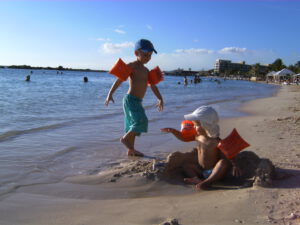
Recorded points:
(194, 51)
(102, 39)
(112, 48)
(232, 50)
(149, 27)
(195, 40)
(199, 59)
(195, 58)
(119, 31)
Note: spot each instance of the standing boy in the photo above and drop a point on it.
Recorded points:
(136, 120)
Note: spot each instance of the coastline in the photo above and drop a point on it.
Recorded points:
(272, 129)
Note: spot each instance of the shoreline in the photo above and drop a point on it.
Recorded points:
(271, 129)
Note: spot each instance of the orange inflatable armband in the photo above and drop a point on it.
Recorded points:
(188, 130)
(155, 76)
(232, 144)
(121, 70)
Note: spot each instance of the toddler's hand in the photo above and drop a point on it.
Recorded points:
(166, 130)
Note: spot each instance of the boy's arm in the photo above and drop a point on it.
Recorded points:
(175, 132)
(156, 92)
(114, 87)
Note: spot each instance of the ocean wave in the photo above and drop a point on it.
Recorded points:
(222, 101)
(103, 116)
(60, 153)
(15, 133)
(155, 119)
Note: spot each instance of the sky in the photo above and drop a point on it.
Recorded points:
(190, 34)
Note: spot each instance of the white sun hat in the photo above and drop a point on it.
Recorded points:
(209, 119)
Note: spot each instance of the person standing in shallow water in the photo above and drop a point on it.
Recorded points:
(185, 81)
(27, 78)
(136, 121)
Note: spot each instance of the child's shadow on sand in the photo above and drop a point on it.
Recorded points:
(286, 178)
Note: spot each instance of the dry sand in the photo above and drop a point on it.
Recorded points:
(119, 197)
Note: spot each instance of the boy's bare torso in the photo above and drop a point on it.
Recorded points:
(138, 80)
(208, 153)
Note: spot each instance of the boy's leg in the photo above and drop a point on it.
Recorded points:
(192, 171)
(135, 119)
(218, 173)
(128, 140)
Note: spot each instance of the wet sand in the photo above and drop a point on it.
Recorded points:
(124, 196)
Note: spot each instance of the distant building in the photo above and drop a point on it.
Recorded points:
(226, 66)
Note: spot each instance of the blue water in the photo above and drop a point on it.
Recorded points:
(57, 126)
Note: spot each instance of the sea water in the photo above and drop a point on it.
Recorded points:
(57, 126)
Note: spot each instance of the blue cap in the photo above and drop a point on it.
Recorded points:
(145, 45)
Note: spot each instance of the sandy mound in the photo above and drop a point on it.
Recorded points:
(255, 170)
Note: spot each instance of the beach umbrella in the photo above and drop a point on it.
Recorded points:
(284, 72)
(271, 74)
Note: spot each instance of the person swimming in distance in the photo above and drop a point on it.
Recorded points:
(27, 78)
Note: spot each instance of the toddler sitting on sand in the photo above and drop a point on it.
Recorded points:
(212, 164)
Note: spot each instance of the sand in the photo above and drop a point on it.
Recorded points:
(126, 196)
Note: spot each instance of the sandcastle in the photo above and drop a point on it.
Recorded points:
(255, 170)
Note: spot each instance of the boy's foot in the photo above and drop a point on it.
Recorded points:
(131, 150)
(124, 142)
(193, 180)
(135, 153)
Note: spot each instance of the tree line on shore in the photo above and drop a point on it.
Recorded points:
(60, 68)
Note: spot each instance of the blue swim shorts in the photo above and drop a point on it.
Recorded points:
(135, 117)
